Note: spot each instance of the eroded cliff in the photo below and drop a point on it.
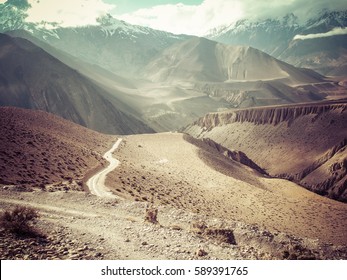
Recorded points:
(304, 143)
(268, 115)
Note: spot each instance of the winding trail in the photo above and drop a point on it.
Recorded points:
(96, 183)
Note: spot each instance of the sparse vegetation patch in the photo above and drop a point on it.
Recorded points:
(21, 221)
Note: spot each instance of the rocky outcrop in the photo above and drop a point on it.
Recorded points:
(57, 246)
(266, 115)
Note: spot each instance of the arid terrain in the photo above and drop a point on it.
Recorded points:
(221, 136)
(174, 169)
(305, 143)
(40, 149)
(209, 206)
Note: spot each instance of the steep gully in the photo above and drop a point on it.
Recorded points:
(334, 187)
(96, 183)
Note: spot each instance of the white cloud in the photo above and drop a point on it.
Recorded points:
(188, 19)
(67, 12)
(179, 18)
(333, 32)
(303, 9)
(198, 19)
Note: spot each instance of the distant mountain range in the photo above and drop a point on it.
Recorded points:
(112, 44)
(277, 38)
(128, 48)
(203, 60)
(241, 75)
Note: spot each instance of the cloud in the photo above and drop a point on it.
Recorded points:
(188, 19)
(279, 8)
(176, 18)
(199, 19)
(333, 32)
(67, 12)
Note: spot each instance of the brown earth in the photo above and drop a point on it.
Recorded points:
(38, 149)
(81, 226)
(167, 169)
(209, 206)
(305, 143)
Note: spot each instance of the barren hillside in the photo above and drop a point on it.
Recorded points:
(200, 59)
(304, 143)
(33, 79)
(37, 149)
(210, 205)
(178, 171)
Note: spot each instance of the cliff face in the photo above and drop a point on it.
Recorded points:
(265, 115)
(302, 143)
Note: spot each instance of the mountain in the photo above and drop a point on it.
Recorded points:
(305, 143)
(114, 45)
(167, 80)
(200, 59)
(269, 35)
(325, 55)
(235, 74)
(163, 108)
(31, 78)
(38, 148)
(92, 71)
(275, 36)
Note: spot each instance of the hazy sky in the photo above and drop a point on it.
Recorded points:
(177, 16)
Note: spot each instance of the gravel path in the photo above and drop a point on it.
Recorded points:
(96, 183)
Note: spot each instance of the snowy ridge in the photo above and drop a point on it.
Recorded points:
(13, 18)
(270, 25)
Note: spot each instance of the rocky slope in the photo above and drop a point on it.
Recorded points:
(326, 55)
(84, 227)
(304, 143)
(179, 171)
(31, 78)
(38, 149)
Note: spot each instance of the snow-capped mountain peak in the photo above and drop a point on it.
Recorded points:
(110, 25)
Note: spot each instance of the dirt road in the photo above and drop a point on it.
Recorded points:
(96, 183)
